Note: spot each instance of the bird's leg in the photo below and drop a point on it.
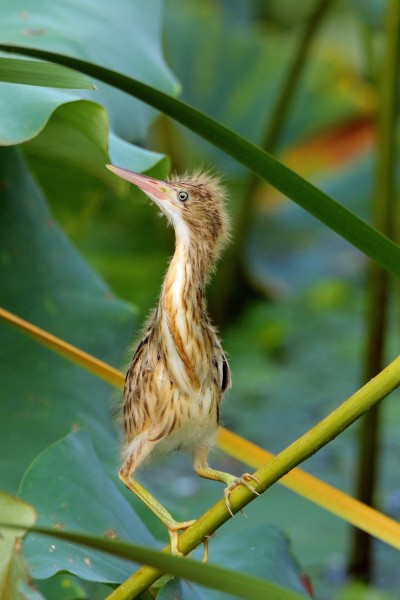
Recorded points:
(200, 465)
(126, 476)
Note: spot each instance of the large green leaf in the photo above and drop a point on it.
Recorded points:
(123, 35)
(77, 139)
(70, 490)
(319, 204)
(45, 281)
(31, 72)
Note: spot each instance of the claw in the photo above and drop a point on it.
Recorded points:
(243, 480)
(173, 529)
(227, 492)
(205, 551)
(250, 476)
(205, 547)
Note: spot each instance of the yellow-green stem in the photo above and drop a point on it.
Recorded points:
(384, 213)
(325, 431)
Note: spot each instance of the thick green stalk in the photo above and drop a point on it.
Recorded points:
(384, 209)
(231, 267)
(304, 447)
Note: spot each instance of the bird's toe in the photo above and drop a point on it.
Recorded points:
(173, 531)
(243, 480)
(250, 477)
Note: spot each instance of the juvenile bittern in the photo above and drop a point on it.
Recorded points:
(179, 372)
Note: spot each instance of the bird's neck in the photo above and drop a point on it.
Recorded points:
(182, 314)
(185, 278)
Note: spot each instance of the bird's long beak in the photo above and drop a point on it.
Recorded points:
(151, 187)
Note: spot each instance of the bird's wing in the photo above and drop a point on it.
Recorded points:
(222, 372)
(138, 388)
(226, 379)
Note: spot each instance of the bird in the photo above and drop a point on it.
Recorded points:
(179, 372)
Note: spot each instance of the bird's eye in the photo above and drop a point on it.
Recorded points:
(183, 196)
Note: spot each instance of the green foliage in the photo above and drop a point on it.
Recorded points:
(71, 491)
(286, 356)
(85, 32)
(244, 97)
(219, 578)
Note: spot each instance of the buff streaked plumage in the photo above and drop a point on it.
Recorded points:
(179, 373)
(180, 347)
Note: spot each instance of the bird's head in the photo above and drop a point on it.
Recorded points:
(193, 203)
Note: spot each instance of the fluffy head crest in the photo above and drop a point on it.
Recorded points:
(204, 210)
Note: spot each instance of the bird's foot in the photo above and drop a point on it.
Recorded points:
(173, 529)
(243, 480)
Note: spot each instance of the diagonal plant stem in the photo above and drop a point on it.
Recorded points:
(326, 496)
(68, 351)
(384, 217)
(320, 205)
(304, 447)
(307, 486)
